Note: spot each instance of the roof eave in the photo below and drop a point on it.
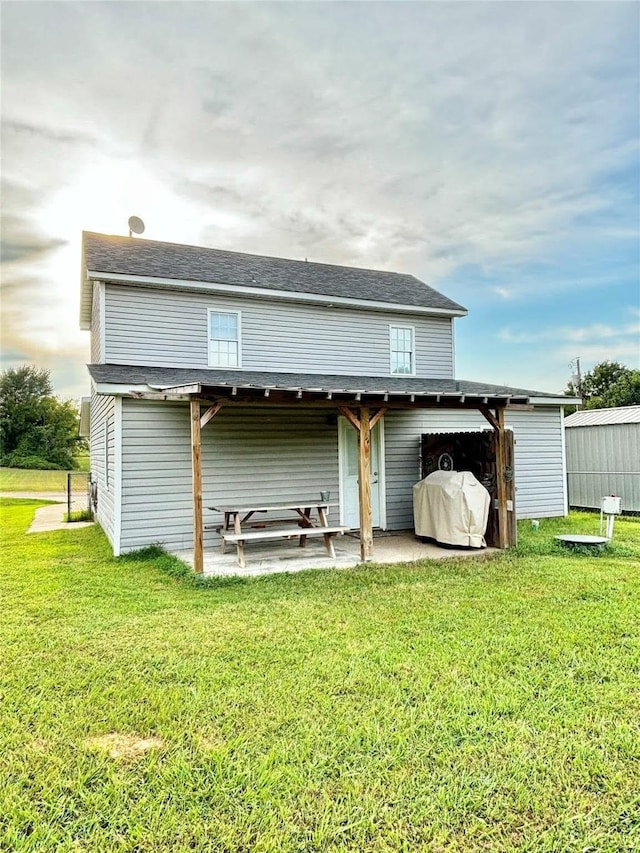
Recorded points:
(316, 393)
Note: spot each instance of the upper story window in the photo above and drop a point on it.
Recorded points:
(224, 338)
(402, 348)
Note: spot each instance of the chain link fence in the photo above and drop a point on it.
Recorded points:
(79, 494)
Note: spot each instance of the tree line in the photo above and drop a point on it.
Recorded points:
(37, 430)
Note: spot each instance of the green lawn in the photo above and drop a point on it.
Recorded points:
(27, 480)
(486, 705)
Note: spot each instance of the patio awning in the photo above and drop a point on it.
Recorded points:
(248, 385)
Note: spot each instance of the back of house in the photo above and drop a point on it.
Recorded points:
(287, 349)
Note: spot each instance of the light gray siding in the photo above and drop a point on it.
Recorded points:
(102, 439)
(604, 460)
(539, 468)
(97, 321)
(539, 462)
(274, 455)
(280, 454)
(169, 328)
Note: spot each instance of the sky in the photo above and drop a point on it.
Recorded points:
(490, 149)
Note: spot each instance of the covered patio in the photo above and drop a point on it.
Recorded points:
(362, 401)
(398, 546)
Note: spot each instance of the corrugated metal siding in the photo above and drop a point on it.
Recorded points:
(96, 325)
(604, 460)
(102, 423)
(273, 455)
(538, 458)
(168, 328)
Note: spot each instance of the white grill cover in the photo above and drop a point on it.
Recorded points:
(451, 507)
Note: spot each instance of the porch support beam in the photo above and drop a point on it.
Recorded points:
(379, 414)
(196, 480)
(490, 417)
(211, 412)
(497, 422)
(364, 486)
(350, 416)
(501, 483)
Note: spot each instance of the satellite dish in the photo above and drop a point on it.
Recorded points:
(136, 225)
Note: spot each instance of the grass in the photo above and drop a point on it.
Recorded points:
(83, 462)
(479, 705)
(78, 515)
(28, 480)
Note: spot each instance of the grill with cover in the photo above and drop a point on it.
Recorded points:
(451, 507)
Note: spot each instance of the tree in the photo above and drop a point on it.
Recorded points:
(625, 391)
(36, 428)
(608, 384)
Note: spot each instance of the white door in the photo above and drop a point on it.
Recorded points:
(349, 500)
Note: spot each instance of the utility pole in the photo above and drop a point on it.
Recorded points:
(577, 376)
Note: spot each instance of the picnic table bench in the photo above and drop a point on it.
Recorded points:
(237, 518)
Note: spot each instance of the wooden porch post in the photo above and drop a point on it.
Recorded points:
(501, 484)
(196, 478)
(364, 485)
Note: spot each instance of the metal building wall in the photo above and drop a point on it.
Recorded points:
(604, 460)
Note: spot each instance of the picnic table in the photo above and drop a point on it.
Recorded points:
(240, 524)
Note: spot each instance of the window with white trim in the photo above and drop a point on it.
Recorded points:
(224, 338)
(402, 349)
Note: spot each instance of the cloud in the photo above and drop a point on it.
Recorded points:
(593, 343)
(47, 134)
(504, 292)
(421, 137)
(577, 334)
(22, 243)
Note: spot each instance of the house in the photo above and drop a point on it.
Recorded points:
(603, 457)
(220, 376)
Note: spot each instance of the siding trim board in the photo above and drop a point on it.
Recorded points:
(103, 323)
(117, 477)
(564, 463)
(269, 294)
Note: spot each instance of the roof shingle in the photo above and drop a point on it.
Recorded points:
(151, 258)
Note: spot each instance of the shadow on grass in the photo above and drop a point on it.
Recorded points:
(176, 568)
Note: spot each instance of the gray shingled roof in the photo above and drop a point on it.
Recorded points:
(168, 377)
(151, 258)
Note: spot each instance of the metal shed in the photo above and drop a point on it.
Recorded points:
(603, 457)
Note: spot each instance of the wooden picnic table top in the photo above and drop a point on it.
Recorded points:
(300, 505)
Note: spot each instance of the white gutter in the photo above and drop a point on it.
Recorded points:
(267, 293)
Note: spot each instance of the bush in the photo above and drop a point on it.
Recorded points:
(34, 463)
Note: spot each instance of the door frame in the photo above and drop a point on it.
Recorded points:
(343, 424)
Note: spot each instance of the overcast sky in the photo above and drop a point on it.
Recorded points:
(491, 149)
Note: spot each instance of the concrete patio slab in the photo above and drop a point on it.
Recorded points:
(266, 558)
